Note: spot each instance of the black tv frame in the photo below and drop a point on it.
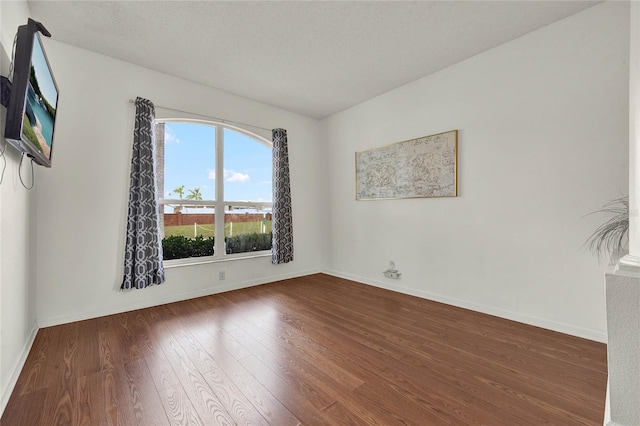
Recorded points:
(17, 101)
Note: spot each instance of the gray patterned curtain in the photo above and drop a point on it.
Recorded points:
(282, 244)
(143, 250)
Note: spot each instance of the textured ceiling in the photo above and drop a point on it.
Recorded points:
(314, 58)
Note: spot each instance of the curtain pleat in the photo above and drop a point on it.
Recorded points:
(143, 249)
(282, 244)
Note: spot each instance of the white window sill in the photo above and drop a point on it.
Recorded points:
(178, 263)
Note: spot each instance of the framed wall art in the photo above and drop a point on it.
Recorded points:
(424, 167)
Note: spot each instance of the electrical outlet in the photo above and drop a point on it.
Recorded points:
(392, 274)
(221, 275)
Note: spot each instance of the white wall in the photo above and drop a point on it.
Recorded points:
(17, 248)
(543, 139)
(82, 199)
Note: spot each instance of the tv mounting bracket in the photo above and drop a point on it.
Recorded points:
(5, 83)
(5, 90)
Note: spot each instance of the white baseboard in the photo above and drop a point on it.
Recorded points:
(5, 394)
(585, 333)
(126, 307)
(607, 407)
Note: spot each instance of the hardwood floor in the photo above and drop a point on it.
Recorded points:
(310, 350)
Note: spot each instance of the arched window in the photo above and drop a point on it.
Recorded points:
(213, 180)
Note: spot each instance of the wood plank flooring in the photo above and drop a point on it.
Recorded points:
(313, 350)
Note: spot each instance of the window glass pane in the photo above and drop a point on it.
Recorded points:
(187, 184)
(247, 168)
(188, 234)
(247, 229)
(189, 161)
(186, 174)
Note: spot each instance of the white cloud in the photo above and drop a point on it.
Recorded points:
(170, 137)
(237, 177)
(231, 176)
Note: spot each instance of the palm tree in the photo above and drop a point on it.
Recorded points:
(194, 194)
(180, 191)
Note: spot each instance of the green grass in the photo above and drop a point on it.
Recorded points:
(208, 230)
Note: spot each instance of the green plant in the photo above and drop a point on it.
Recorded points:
(248, 242)
(179, 190)
(201, 246)
(612, 237)
(194, 194)
(180, 247)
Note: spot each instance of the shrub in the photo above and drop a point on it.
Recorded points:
(201, 246)
(248, 242)
(180, 247)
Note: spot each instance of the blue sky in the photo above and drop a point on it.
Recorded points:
(190, 161)
(42, 73)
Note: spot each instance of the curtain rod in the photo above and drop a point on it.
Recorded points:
(222, 120)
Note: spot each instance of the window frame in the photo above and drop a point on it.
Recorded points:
(219, 203)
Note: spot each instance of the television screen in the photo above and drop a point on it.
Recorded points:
(41, 101)
(31, 114)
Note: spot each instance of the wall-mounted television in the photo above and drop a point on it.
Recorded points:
(31, 112)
